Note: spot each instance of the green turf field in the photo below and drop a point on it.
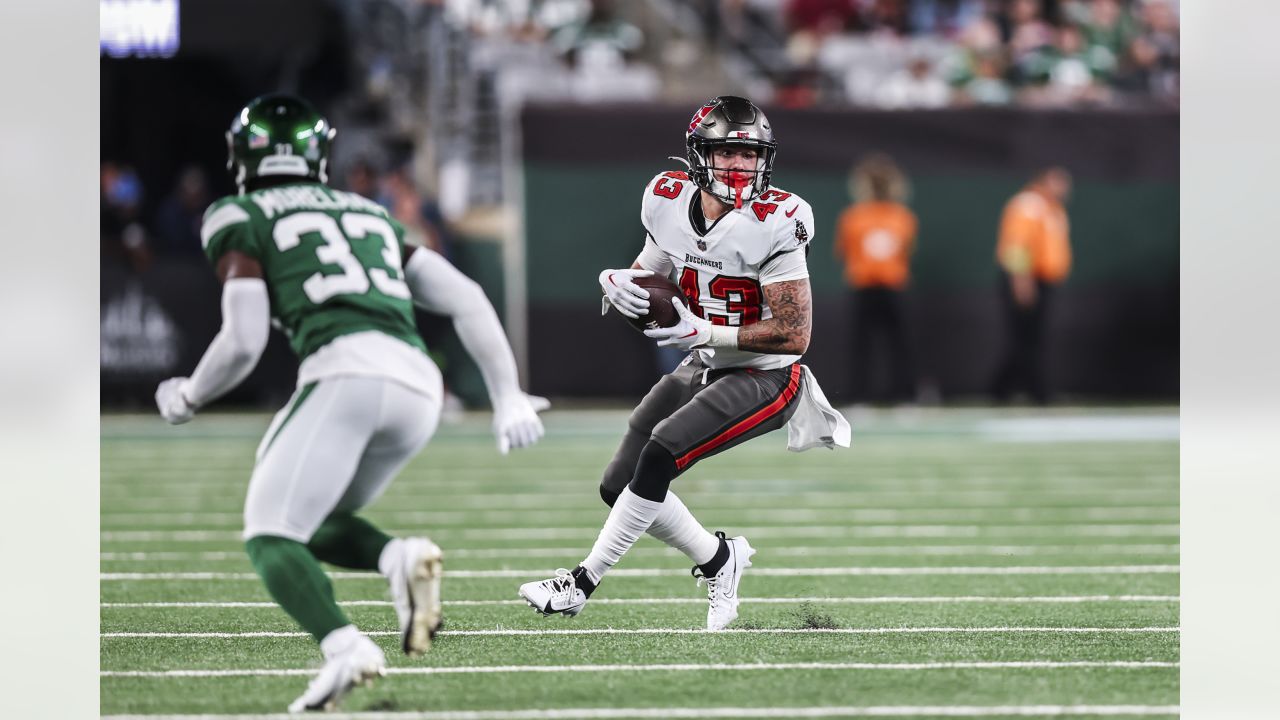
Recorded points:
(950, 564)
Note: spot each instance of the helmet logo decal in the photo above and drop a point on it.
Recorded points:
(741, 134)
(699, 115)
(257, 142)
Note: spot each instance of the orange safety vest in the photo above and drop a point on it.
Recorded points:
(876, 240)
(1034, 237)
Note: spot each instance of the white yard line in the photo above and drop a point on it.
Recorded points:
(659, 572)
(672, 631)
(203, 462)
(1165, 513)
(665, 667)
(165, 477)
(868, 600)
(782, 531)
(585, 502)
(697, 713)
(781, 551)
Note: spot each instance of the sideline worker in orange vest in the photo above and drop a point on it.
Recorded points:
(875, 237)
(1034, 255)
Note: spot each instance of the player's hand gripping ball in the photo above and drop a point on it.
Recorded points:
(661, 312)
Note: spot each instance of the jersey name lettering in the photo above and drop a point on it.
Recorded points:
(695, 260)
(311, 197)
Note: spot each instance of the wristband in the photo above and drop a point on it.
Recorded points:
(723, 336)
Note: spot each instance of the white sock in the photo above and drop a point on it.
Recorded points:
(389, 555)
(338, 641)
(677, 527)
(630, 517)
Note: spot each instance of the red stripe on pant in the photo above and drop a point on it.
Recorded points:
(746, 425)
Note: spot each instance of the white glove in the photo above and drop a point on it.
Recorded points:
(629, 299)
(691, 332)
(515, 420)
(172, 401)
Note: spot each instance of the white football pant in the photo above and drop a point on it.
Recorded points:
(334, 448)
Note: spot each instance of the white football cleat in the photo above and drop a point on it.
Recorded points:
(357, 664)
(559, 595)
(722, 588)
(414, 577)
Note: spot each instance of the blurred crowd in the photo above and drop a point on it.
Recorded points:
(937, 53)
(875, 53)
(136, 229)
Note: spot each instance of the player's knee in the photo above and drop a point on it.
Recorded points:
(616, 477)
(608, 496)
(654, 472)
(266, 550)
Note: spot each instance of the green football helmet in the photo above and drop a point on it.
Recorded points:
(278, 135)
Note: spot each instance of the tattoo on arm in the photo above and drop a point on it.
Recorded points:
(787, 332)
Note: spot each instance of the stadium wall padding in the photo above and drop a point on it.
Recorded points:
(1115, 325)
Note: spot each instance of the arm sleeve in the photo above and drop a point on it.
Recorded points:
(439, 287)
(246, 323)
(789, 259)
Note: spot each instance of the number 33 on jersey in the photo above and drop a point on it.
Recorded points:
(319, 247)
(723, 270)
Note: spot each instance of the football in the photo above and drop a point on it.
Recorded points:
(661, 312)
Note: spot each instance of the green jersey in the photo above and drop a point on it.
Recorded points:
(331, 261)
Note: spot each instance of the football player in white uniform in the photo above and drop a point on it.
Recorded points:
(737, 248)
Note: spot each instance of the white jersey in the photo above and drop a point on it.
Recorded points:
(723, 272)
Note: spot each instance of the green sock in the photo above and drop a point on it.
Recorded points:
(296, 583)
(348, 541)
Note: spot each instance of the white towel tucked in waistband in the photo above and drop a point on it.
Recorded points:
(815, 422)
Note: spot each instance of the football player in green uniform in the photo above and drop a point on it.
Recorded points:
(332, 270)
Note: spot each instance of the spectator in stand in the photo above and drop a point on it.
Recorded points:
(885, 16)
(982, 35)
(821, 17)
(875, 238)
(362, 178)
(1034, 256)
(123, 236)
(419, 215)
(987, 85)
(1030, 37)
(602, 38)
(1108, 29)
(602, 52)
(1062, 74)
(1155, 56)
(944, 17)
(915, 87)
(180, 215)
